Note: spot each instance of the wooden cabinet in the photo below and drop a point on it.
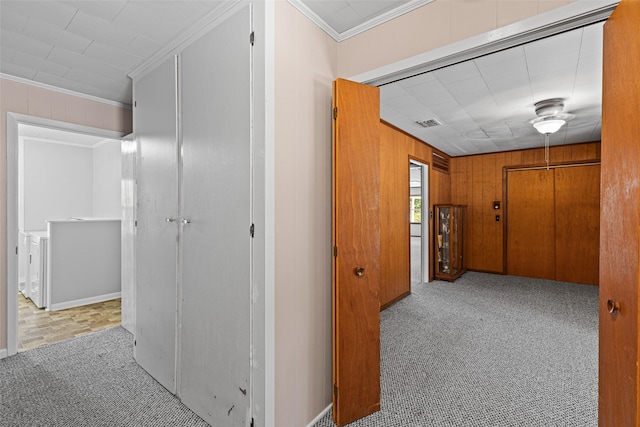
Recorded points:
(449, 241)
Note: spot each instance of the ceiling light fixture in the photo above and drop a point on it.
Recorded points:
(549, 125)
(550, 120)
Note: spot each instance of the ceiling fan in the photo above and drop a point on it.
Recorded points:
(550, 119)
(550, 116)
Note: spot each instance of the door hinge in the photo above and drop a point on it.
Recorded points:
(252, 230)
(335, 113)
(252, 425)
(252, 38)
(16, 250)
(135, 103)
(335, 390)
(335, 251)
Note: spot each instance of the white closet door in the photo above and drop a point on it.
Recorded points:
(214, 338)
(156, 246)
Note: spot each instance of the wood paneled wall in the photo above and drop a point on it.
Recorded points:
(396, 148)
(477, 181)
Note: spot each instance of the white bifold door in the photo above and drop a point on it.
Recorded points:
(194, 223)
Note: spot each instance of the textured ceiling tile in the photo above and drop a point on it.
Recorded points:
(17, 70)
(56, 36)
(324, 7)
(6, 54)
(9, 20)
(344, 19)
(100, 30)
(75, 60)
(457, 72)
(55, 13)
(106, 10)
(369, 9)
(20, 42)
(392, 91)
(112, 55)
(143, 47)
(39, 64)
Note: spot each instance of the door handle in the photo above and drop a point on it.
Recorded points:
(359, 271)
(167, 219)
(612, 306)
(185, 221)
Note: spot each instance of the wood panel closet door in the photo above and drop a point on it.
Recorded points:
(157, 230)
(356, 235)
(577, 223)
(531, 242)
(619, 377)
(215, 314)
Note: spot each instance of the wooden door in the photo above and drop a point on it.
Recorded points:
(619, 378)
(215, 314)
(356, 240)
(531, 241)
(156, 233)
(577, 206)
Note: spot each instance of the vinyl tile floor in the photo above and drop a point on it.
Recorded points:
(37, 327)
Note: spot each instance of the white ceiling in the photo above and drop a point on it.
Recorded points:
(90, 46)
(342, 19)
(485, 105)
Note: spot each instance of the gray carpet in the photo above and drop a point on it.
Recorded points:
(92, 381)
(489, 350)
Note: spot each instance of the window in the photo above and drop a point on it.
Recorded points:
(415, 209)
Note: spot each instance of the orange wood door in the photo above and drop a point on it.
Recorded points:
(620, 219)
(395, 262)
(577, 223)
(356, 235)
(531, 250)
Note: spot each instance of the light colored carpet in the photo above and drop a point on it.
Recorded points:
(91, 381)
(489, 350)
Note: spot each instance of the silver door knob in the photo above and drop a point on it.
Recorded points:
(185, 221)
(167, 219)
(612, 306)
(359, 271)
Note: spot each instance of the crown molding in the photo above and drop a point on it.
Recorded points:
(380, 19)
(65, 91)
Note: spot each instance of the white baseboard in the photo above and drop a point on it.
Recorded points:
(320, 415)
(3, 353)
(84, 301)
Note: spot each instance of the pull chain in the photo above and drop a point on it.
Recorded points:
(546, 149)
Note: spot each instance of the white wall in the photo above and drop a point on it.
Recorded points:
(107, 169)
(58, 182)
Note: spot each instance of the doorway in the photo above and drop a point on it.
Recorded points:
(419, 221)
(14, 122)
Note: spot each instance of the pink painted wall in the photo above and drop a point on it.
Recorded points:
(431, 26)
(305, 67)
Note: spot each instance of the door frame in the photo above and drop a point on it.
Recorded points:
(13, 120)
(555, 21)
(425, 233)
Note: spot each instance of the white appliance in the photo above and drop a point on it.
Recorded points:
(24, 243)
(38, 250)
